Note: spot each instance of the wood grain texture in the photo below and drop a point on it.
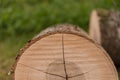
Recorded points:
(107, 32)
(63, 56)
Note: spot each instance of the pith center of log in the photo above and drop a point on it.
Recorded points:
(57, 69)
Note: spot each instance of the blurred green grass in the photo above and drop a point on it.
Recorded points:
(20, 20)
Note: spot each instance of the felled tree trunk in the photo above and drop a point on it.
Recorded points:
(63, 52)
(105, 29)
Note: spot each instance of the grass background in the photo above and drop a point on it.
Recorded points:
(20, 20)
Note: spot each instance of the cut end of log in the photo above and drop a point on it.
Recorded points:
(105, 29)
(94, 27)
(63, 52)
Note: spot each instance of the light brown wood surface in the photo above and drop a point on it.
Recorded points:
(64, 56)
(95, 27)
